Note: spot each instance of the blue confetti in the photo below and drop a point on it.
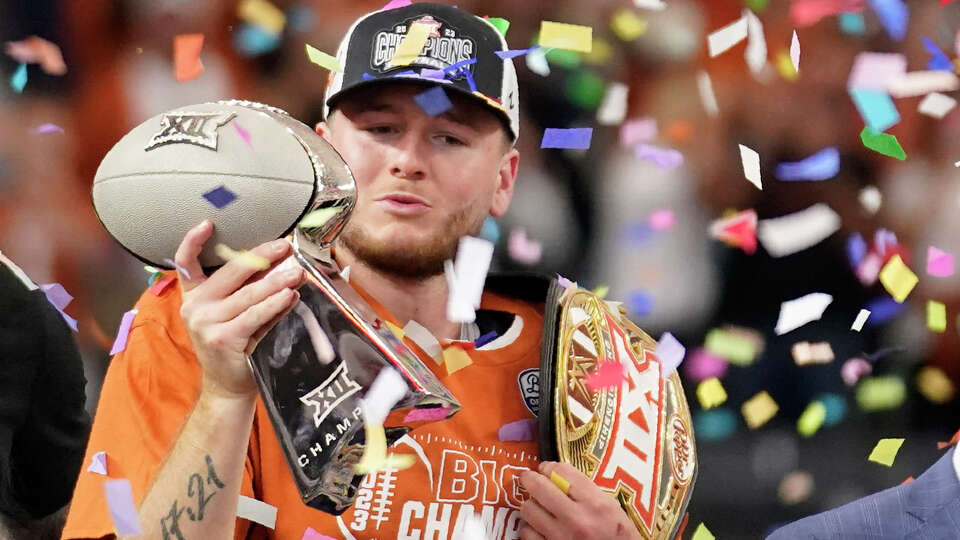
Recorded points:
(939, 61)
(823, 165)
(714, 425)
(893, 15)
(490, 230)
(640, 303)
(639, 232)
(433, 101)
(252, 41)
(883, 309)
(220, 197)
(484, 339)
(368, 77)
(19, 79)
(876, 108)
(577, 138)
(836, 407)
(856, 249)
(513, 53)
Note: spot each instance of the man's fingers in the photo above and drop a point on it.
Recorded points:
(188, 255)
(527, 533)
(541, 520)
(236, 272)
(581, 487)
(257, 291)
(256, 316)
(262, 331)
(547, 494)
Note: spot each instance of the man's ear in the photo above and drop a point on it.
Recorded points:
(506, 177)
(323, 129)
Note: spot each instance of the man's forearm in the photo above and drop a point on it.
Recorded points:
(195, 493)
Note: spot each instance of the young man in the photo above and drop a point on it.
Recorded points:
(179, 415)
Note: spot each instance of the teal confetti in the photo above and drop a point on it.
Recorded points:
(19, 79)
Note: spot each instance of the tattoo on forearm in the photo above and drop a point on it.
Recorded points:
(170, 523)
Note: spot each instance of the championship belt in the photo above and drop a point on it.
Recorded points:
(316, 363)
(633, 440)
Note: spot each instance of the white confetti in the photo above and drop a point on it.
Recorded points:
(918, 83)
(795, 52)
(424, 339)
(257, 511)
(726, 37)
(465, 278)
(751, 165)
(614, 107)
(800, 311)
(756, 53)
(656, 5)
(384, 392)
(936, 105)
(861, 318)
(707, 97)
(870, 198)
(795, 232)
(537, 62)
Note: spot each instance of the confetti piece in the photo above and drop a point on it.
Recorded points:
(897, 279)
(875, 71)
(310, 533)
(881, 393)
(751, 165)
(613, 109)
(936, 105)
(44, 129)
(123, 512)
(244, 134)
(577, 138)
(809, 12)
(640, 302)
(386, 390)
(853, 369)
(655, 5)
(484, 339)
(820, 166)
(318, 217)
(702, 533)
(252, 41)
(870, 198)
(120, 343)
(322, 59)
(257, 511)
(245, 258)
(852, 24)
(521, 430)
(394, 4)
(513, 53)
(759, 409)
(607, 375)
(670, 352)
(465, 278)
(739, 230)
(798, 231)
(918, 83)
(173, 264)
(711, 393)
(939, 263)
(424, 339)
(569, 37)
(876, 108)
(501, 24)
(19, 79)
(263, 14)
(186, 57)
(886, 451)
(523, 249)
(856, 250)
(795, 52)
(627, 25)
(806, 353)
(430, 414)
(934, 384)
(707, 97)
(795, 487)
(159, 286)
(702, 364)
(936, 316)
(861, 318)
(811, 419)
(560, 482)
(800, 311)
(536, 61)
(220, 197)
(56, 295)
(665, 158)
(938, 60)
(36, 50)
(661, 220)
(394, 329)
(411, 45)
(455, 359)
(720, 40)
(434, 101)
(785, 67)
(98, 463)
(893, 15)
(756, 51)
(884, 239)
(836, 407)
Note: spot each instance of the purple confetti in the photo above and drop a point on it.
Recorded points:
(244, 134)
(220, 197)
(484, 339)
(883, 239)
(431, 414)
(521, 430)
(98, 463)
(823, 165)
(60, 298)
(893, 15)
(640, 303)
(368, 77)
(119, 496)
(179, 268)
(437, 74)
(856, 249)
(433, 101)
(670, 352)
(577, 138)
(665, 158)
(882, 310)
(47, 128)
(120, 343)
(564, 282)
(513, 53)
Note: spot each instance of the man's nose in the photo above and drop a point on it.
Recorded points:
(407, 161)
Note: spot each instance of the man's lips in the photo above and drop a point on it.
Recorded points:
(403, 204)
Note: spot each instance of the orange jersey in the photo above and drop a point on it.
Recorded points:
(461, 466)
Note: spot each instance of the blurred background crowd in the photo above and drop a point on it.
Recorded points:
(590, 210)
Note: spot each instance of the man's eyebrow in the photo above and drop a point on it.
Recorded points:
(457, 117)
(375, 107)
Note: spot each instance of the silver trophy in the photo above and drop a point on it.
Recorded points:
(313, 367)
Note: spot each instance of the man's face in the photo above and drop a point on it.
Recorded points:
(422, 181)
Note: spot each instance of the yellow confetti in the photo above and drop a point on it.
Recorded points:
(702, 533)
(934, 384)
(734, 347)
(571, 37)
(886, 451)
(627, 25)
(325, 61)
(602, 291)
(785, 66)
(811, 419)
(375, 456)
(396, 330)
(409, 49)
(897, 279)
(881, 393)
(936, 316)
(263, 14)
(318, 217)
(244, 257)
(600, 54)
(455, 358)
(711, 393)
(560, 482)
(759, 409)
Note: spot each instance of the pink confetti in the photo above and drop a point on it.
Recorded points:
(637, 131)
(161, 285)
(701, 365)
(853, 369)
(607, 375)
(869, 269)
(394, 4)
(808, 12)
(431, 414)
(939, 263)
(98, 463)
(665, 158)
(43, 129)
(523, 249)
(244, 134)
(119, 496)
(564, 282)
(662, 219)
(120, 343)
(311, 534)
(521, 430)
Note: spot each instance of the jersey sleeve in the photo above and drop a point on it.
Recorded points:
(149, 390)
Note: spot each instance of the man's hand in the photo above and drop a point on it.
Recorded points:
(227, 313)
(586, 512)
